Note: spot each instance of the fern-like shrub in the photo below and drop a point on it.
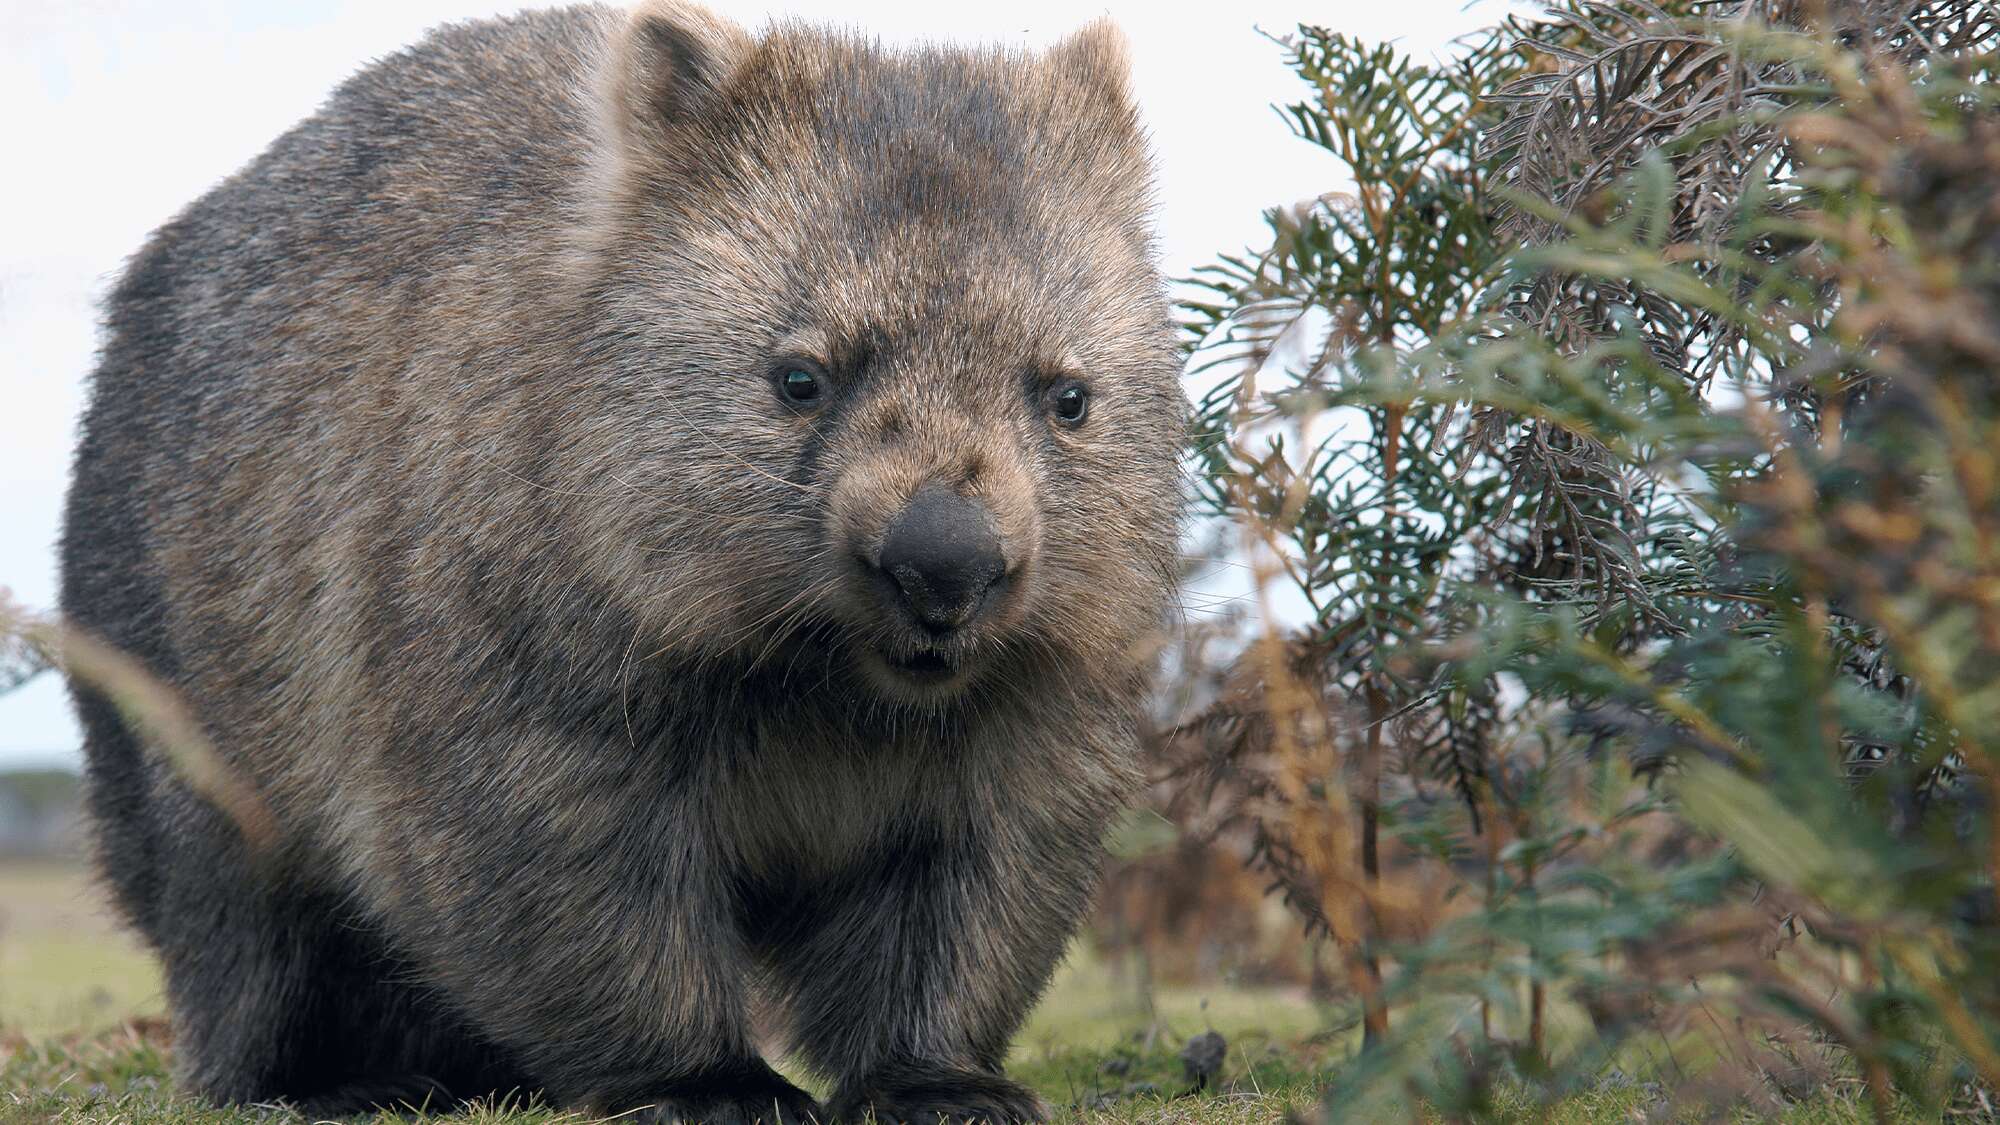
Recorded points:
(1626, 447)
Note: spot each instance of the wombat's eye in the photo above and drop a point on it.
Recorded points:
(799, 385)
(1070, 402)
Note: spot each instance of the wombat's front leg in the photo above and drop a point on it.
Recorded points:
(911, 987)
(581, 922)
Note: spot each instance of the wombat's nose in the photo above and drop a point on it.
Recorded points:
(943, 555)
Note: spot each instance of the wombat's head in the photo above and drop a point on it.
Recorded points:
(890, 337)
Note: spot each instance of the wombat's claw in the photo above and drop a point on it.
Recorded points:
(942, 1098)
(762, 1097)
(748, 1110)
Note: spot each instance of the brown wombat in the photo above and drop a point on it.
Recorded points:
(659, 515)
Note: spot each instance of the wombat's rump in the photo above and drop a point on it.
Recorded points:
(654, 511)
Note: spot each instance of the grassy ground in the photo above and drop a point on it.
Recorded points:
(82, 1038)
(82, 1041)
(119, 1076)
(64, 966)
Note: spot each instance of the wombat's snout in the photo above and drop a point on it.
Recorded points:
(943, 559)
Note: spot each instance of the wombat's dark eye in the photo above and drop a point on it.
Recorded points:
(799, 385)
(1070, 403)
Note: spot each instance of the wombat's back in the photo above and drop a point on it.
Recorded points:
(258, 396)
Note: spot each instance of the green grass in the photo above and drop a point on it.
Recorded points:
(119, 1077)
(82, 1042)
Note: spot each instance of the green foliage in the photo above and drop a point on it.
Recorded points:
(1629, 434)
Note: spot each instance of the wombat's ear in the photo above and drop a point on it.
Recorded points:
(1096, 54)
(665, 64)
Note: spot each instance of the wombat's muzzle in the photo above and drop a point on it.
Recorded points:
(944, 561)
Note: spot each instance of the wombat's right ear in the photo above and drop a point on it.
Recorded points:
(665, 63)
(1099, 55)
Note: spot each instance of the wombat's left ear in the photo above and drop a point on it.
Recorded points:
(1098, 55)
(665, 64)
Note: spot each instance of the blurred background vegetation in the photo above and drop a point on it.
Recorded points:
(1621, 458)
(1610, 698)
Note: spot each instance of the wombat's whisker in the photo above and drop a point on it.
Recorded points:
(701, 608)
(804, 598)
(733, 455)
(751, 518)
(688, 509)
(625, 687)
(780, 630)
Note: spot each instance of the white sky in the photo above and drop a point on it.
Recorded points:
(120, 112)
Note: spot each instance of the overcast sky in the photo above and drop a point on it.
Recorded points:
(118, 113)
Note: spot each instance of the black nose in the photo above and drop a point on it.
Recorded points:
(942, 553)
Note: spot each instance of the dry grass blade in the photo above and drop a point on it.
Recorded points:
(153, 708)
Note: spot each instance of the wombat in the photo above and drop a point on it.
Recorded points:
(662, 517)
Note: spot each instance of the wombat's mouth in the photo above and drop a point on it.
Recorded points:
(927, 667)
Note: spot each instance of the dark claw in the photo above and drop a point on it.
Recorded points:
(907, 1096)
(753, 1095)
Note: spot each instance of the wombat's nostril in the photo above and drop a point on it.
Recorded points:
(943, 554)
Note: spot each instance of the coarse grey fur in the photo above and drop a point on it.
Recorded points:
(441, 460)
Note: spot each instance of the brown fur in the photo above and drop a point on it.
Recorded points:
(436, 457)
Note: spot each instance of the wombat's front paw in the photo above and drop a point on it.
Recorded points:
(757, 1096)
(911, 1096)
